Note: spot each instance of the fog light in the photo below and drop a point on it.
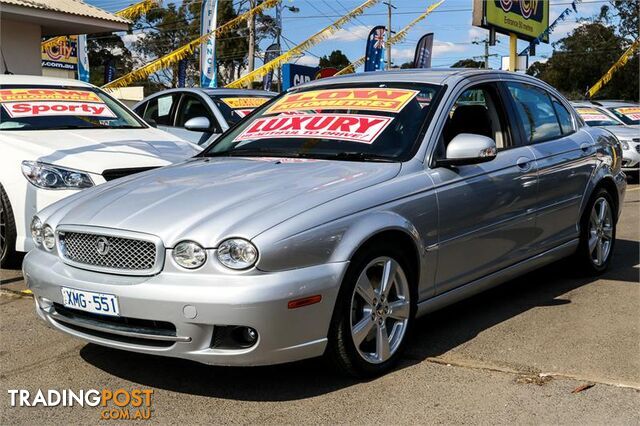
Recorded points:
(249, 335)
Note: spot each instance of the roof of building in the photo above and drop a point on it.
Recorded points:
(71, 7)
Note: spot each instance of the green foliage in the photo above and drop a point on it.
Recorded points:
(468, 63)
(582, 58)
(336, 59)
(104, 48)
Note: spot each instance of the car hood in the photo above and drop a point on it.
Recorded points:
(624, 132)
(96, 150)
(208, 200)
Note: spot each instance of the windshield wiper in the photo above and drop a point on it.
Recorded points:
(251, 152)
(359, 156)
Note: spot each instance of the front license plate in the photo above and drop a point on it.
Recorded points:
(97, 303)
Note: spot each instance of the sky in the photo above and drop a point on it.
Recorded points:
(451, 24)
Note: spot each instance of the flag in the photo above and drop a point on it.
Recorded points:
(182, 72)
(270, 54)
(83, 58)
(424, 52)
(374, 60)
(208, 66)
(109, 71)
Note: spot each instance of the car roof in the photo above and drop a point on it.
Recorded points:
(214, 92)
(31, 80)
(430, 76)
(609, 104)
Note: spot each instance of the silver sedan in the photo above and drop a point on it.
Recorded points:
(330, 219)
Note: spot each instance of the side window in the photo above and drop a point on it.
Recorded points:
(478, 110)
(536, 112)
(564, 117)
(140, 109)
(192, 107)
(160, 109)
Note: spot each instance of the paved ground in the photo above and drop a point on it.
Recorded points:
(514, 354)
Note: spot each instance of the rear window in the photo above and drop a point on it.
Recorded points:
(629, 115)
(235, 108)
(59, 107)
(595, 117)
(377, 122)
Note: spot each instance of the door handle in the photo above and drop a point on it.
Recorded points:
(524, 164)
(585, 147)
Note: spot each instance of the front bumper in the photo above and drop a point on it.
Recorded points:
(256, 300)
(631, 158)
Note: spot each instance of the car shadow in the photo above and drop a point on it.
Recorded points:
(434, 335)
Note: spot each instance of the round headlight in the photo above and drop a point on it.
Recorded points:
(189, 255)
(48, 238)
(36, 230)
(237, 253)
(625, 144)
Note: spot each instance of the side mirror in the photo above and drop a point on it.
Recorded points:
(467, 148)
(198, 124)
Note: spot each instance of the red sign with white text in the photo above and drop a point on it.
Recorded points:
(38, 109)
(347, 127)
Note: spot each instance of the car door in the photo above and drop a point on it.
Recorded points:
(486, 219)
(193, 106)
(565, 159)
(160, 111)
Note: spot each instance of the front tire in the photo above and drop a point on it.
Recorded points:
(597, 234)
(8, 254)
(374, 313)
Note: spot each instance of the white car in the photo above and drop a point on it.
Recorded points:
(59, 136)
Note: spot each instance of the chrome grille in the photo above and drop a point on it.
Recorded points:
(110, 253)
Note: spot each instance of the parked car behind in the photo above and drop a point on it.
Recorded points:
(58, 136)
(628, 135)
(625, 111)
(331, 218)
(199, 115)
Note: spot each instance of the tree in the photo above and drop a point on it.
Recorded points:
(406, 65)
(105, 49)
(626, 13)
(582, 58)
(336, 59)
(468, 63)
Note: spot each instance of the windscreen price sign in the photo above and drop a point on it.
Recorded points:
(526, 18)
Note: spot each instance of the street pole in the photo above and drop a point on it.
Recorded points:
(513, 52)
(388, 46)
(278, 34)
(486, 54)
(252, 37)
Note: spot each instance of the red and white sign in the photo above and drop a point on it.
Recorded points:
(347, 127)
(243, 112)
(38, 109)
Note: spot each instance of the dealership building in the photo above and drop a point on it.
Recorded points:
(24, 23)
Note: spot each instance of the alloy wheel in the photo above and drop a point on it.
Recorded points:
(380, 310)
(600, 232)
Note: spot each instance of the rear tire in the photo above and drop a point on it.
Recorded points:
(8, 255)
(374, 313)
(597, 234)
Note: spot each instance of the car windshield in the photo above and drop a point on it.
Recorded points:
(596, 118)
(27, 107)
(377, 122)
(629, 114)
(235, 108)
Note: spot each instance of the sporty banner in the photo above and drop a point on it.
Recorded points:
(347, 127)
(47, 108)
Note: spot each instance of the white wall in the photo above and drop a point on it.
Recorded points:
(20, 45)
